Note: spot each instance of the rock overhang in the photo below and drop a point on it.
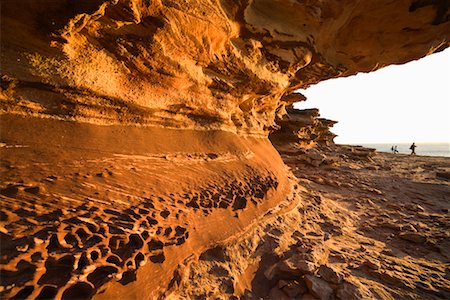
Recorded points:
(229, 65)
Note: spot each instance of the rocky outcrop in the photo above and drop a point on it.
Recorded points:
(116, 212)
(356, 229)
(302, 129)
(301, 133)
(202, 64)
(134, 137)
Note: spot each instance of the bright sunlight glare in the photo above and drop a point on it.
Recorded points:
(399, 103)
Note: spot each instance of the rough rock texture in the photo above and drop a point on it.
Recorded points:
(201, 63)
(302, 128)
(341, 236)
(115, 210)
(134, 142)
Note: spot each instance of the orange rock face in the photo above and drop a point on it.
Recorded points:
(302, 128)
(228, 65)
(135, 162)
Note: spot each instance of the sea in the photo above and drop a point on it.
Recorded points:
(427, 149)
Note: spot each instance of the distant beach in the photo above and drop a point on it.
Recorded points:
(426, 149)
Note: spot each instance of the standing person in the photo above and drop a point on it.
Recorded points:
(395, 149)
(413, 149)
(392, 149)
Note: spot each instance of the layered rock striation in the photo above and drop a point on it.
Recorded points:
(303, 129)
(134, 132)
(229, 65)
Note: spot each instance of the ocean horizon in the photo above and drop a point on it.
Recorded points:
(424, 149)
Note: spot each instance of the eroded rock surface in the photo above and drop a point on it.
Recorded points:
(355, 229)
(134, 145)
(302, 129)
(79, 213)
(229, 65)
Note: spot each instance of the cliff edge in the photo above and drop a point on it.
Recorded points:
(229, 65)
(135, 136)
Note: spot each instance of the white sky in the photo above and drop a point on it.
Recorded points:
(400, 103)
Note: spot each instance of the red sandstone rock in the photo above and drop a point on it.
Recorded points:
(330, 274)
(413, 237)
(230, 65)
(189, 90)
(318, 287)
(349, 291)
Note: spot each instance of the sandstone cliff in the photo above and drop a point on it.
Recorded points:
(302, 128)
(198, 64)
(134, 133)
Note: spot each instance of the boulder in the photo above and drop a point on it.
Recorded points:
(318, 287)
(330, 274)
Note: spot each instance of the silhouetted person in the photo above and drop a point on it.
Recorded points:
(413, 149)
(392, 149)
